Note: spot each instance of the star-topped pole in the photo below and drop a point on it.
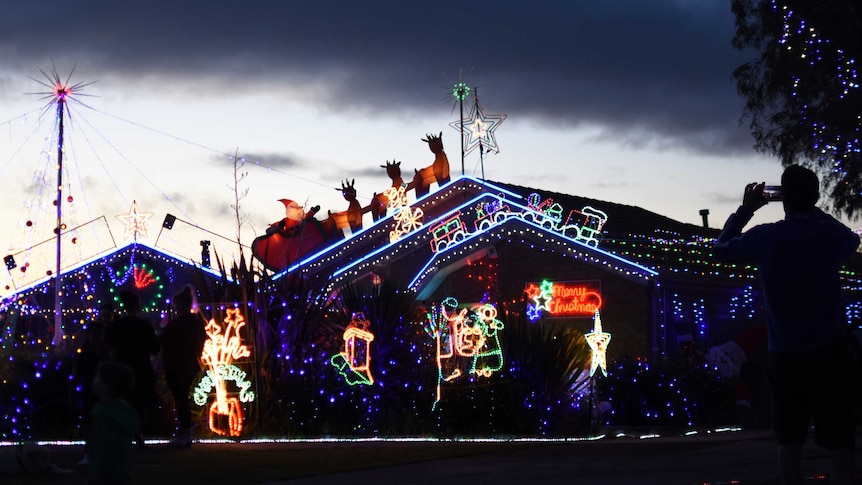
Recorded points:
(480, 130)
(598, 341)
(60, 93)
(135, 221)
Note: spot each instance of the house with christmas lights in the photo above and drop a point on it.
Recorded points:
(564, 257)
(465, 248)
(563, 260)
(152, 273)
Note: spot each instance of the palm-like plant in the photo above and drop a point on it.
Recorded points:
(547, 368)
(401, 360)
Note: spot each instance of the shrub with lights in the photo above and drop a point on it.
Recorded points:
(35, 390)
(320, 398)
(682, 392)
(548, 376)
(369, 360)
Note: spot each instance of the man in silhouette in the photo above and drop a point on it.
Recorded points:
(134, 342)
(799, 260)
(182, 342)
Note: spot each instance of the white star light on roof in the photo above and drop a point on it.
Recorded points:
(135, 222)
(479, 128)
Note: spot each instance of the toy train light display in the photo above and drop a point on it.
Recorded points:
(583, 225)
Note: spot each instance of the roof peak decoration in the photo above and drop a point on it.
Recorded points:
(479, 128)
(135, 221)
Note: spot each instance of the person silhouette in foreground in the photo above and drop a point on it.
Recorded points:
(94, 351)
(799, 259)
(114, 423)
(182, 342)
(134, 341)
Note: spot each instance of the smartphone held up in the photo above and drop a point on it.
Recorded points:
(772, 193)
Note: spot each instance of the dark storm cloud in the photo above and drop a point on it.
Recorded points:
(266, 160)
(647, 73)
(365, 172)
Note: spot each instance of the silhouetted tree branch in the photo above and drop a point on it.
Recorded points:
(801, 91)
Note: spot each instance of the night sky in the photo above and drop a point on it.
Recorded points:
(623, 101)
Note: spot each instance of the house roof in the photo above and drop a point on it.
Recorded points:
(461, 218)
(130, 251)
(630, 240)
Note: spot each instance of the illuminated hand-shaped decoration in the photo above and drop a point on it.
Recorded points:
(353, 363)
(223, 347)
(143, 277)
(598, 341)
(406, 218)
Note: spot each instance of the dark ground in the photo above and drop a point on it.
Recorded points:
(738, 457)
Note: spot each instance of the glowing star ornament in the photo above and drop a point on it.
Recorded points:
(354, 362)
(479, 128)
(545, 297)
(598, 341)
(135, 221)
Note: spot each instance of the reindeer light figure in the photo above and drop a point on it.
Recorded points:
(379, 202)
(352, 217)
(437, 172)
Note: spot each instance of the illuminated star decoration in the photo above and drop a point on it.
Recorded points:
(541, 296)
(60, 91)
(479, 128)
(135, 222)
(544, 297)
(598, 341)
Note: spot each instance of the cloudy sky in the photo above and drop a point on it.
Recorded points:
(628, 101)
